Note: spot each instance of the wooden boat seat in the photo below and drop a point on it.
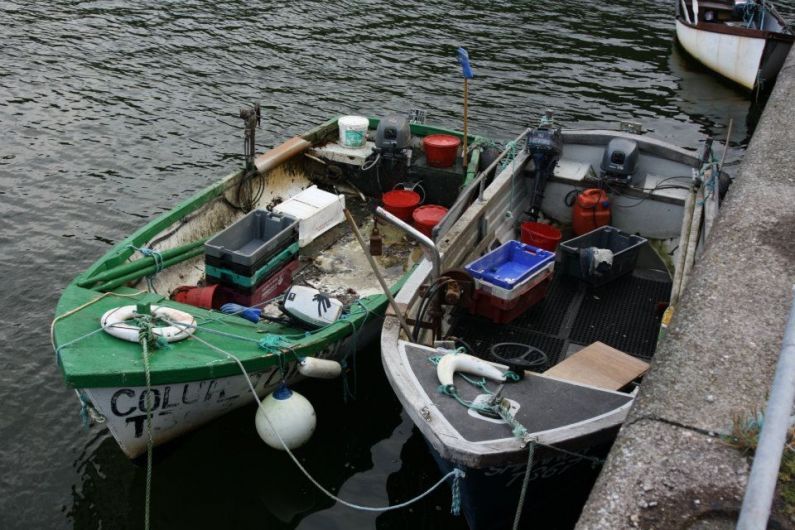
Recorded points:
(601, 366)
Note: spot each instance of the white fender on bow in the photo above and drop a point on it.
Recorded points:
(463, 362)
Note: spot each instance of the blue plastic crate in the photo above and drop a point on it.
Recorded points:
(509, 264)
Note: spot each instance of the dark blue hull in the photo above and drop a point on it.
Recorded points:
(559, 485)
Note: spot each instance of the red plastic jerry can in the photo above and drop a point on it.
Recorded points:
(591, 210)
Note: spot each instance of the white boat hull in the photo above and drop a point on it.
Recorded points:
(182, 407)
(736, 57)
(176, 408)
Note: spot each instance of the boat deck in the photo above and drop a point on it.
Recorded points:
(538, 403)
(624, 314)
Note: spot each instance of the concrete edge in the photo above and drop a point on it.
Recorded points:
(718, 359)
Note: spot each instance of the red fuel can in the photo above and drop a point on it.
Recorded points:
(591, 210)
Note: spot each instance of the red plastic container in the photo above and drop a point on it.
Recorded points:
(267, 290)
(401, 203)
(591, 210)
(502, 311)
(428, 216)
(440, 149)
(541, 235)
(206, 297)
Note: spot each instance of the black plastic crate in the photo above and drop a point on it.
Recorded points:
(625, 248)
(248, 270)
(251, 241)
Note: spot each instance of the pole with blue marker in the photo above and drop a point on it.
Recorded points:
(463, 60)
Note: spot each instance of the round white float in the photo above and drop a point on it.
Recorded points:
(290, 414)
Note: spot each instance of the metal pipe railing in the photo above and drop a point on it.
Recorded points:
(478, 183)
(764, 471)
(419, 237)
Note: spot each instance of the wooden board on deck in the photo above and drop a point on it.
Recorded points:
(601, 366)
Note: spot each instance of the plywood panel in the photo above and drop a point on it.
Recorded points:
(601, 366)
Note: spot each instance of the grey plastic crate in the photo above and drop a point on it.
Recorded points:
(252, 238)
(625, 248)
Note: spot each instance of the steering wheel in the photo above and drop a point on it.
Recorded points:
(528, 358)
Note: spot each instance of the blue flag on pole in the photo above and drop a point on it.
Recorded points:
(463, 60)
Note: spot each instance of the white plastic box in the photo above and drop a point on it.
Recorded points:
(317, 212)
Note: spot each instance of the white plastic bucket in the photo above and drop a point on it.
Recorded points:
(353, 130)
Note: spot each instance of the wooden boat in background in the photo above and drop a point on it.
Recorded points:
(581, 348)
(745, 41)
(194, 380)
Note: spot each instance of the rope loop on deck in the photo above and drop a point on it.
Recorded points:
(159, 263)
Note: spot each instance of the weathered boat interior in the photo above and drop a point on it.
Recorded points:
(167, 255)
(334, 262)
(575, 331)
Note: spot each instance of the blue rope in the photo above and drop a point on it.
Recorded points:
(455, 505)
(84, 415)
(158, 257)
(150, 253)
(710, 184)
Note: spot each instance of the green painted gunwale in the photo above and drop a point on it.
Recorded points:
(101, 360)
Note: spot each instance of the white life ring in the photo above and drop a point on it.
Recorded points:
(114, 322)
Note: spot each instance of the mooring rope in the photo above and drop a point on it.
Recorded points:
(455, 473)
(525, 482)
(71, 312)
(146, 338)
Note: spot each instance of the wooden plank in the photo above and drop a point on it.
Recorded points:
(601, 366)
(276, 156)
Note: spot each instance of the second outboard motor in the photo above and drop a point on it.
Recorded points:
(392, 154)
(393, 138)
(620, 159)
(544, 144)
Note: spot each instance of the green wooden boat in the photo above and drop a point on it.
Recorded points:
(192, 381)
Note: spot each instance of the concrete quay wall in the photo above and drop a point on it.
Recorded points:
(669, 468)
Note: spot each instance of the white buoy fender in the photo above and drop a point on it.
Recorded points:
(290, 414)
(319, 368)
(115, 323)
(463, 362)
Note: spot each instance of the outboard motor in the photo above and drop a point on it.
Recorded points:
(393, 138)
(392, 154)
(620, 160)
(545, 145)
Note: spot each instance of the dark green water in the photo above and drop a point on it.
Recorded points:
(112, 111)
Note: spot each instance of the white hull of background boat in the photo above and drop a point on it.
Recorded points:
(733, 56)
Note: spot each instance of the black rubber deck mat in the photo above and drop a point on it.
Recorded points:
(624, 314)
(547, 316)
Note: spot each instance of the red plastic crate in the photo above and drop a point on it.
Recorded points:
(501, 311)
(275, 285)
